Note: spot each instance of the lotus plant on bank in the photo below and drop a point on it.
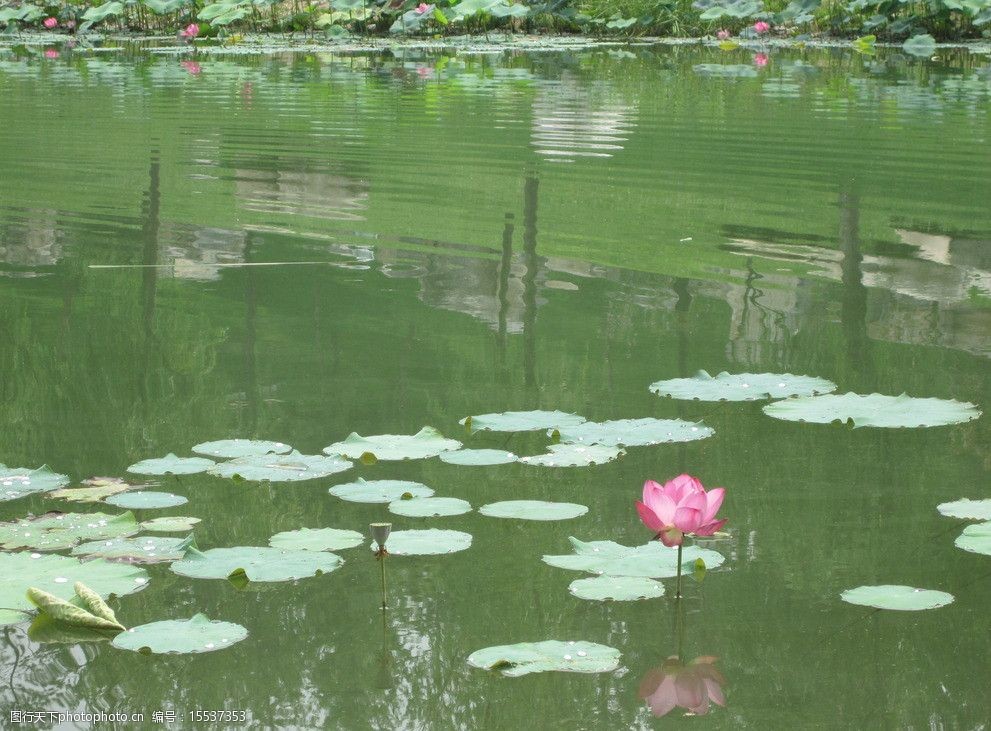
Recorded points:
(680, 507)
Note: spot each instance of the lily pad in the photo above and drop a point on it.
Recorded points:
(966, 509)
(653, 560)
(317, 539)
(923, 45)
(170, 524)
(171, 465)
(57, 575)
(55, 531)
(292, 467)
(234, 448)
(874, 410)
(149, 549)
(551, 655)
(96, 490)
(181, 636)
(533, 510)
(17, 482)
(574, 455)
(635, 432)
(430, 507)
(425, 542)
(741, 386)
(146, 500)
(521, 421)
(976, 538)
(478, 457)
(379, 491)
(428, 442)
(255, 563)
(616, 588)
(901, 598)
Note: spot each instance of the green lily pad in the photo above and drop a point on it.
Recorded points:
(425, 542)
(181, 636)
(477, 457)
(379, 491)
(17, 482)
(551, 655)
(922, 45)
(97, 489)
(170, 524)
(616, 588)
(317, 539)
(874, 410)
(57, 575)
(171, 465)
(428, 442)
(966, 509)
(292, 467)
(146, 500)
(55, 531)
(976, 538)
(430, 507)
(234, 448)
(148, 549)
(901, 598)
(574, 455)
(533, 510)
(635, 432)
(521, 421)
(741, 386)
(255, 563)
(653, 560)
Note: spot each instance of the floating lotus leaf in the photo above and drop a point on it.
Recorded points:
(292, 467)
(255, 563)
(170, 524)
(521, 421)
(425, 542)
(976, 538)
(317, 539)
(55, 531)
(574, 455)
(923, 45)
(428, 442)
(171, 465)
(478, 457)
(533, 510)
(146, 500)
(635, 432)
(181, 636)
(148, 549)
(874, 410)
(97, 489)
(234, 448)
(966, 509)
(379, 491)
(57, 575)
(653, 560)
(17, 482)
(430, 507)
(741, 386)
(551, 655)
(616, 588)
(902, 598)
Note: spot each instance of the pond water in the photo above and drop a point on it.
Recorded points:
(298, 246)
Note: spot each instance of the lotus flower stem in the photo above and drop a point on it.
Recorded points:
(382, 565)
(677, 594)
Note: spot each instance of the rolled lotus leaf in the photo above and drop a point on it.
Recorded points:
(64, 611)
(94, 603)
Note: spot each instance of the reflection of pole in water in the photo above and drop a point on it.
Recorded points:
(529, 279)
(250, 420)
(150, 210)
(681, 309)
(505, 264)
(853, 307)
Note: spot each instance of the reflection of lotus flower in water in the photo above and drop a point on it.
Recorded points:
(723, 35)
(760, 60)
(191, 67)
(51, 53)
(680, 506)
(691, 686)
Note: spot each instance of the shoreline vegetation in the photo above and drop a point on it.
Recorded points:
(916, 25)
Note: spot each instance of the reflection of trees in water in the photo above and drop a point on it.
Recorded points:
(310, 193)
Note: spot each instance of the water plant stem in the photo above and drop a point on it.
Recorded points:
(677, 594)
(382, 565)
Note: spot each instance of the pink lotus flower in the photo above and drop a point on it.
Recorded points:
(191, 67)
(724, 35)
(690, 686)
(762, 27)
(51, 53)
(681, 506)
(421, 8)
(190, 31)
(760, 60)
(49, 23)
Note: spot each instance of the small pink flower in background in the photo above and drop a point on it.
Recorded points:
(51, 53)
(190, 31)
(681, 506)
(723, 35)
(762, 27)
(50, 23)
(191, 67)
(422, 8)
(760, 60)
(675, 684)
(70, 24)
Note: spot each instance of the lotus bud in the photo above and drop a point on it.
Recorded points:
(380, 533)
